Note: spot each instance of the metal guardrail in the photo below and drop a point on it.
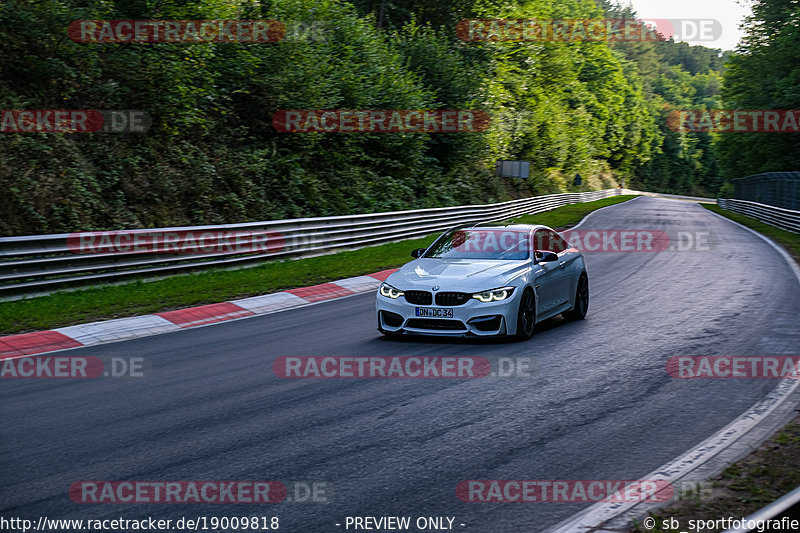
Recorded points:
(786, 505)
(775, 216)
(700, 199)
(781, 189)
(37, 263)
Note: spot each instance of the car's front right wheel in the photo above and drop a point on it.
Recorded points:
(526, 316)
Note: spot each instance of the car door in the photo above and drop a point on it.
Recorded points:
(548, 276)
(566, 265)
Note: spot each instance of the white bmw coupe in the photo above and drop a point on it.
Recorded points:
(482, 281)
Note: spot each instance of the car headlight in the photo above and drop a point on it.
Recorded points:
(494, 295)
(390, 292)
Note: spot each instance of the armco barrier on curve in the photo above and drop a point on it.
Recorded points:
(775, 216)
(38, 263)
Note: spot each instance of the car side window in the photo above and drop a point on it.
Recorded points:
(557, 243)
(541, 240)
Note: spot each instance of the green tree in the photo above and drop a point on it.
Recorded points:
(764, 74)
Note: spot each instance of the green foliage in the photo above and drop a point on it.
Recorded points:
(212, 155)
(675, 76)
(686, 162)
(764, 74)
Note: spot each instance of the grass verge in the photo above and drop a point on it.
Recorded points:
(565, 217)
(139, 298)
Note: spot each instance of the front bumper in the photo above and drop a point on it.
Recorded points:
(472, 319)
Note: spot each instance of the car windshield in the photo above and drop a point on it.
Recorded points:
(478, 243)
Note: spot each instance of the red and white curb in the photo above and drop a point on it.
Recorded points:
(119, 329)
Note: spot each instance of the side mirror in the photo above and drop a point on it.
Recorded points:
(417, 253)
(545, 257)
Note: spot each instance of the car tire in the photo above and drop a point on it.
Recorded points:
(526, 316)
(581, 306)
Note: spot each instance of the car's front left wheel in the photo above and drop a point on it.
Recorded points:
(578, 311)
(526, 316)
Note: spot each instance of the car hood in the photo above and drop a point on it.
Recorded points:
(466, 275)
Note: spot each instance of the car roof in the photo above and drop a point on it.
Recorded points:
(510, 225)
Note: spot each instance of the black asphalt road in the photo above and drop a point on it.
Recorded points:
(598, 403)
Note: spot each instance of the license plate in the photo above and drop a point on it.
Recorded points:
(434, 313)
